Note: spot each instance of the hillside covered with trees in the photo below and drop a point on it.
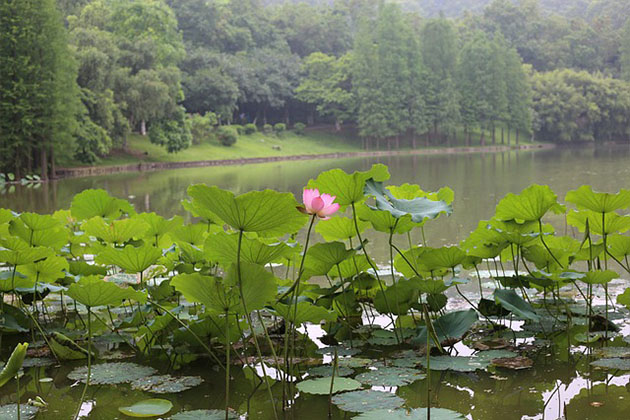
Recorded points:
(78, 76)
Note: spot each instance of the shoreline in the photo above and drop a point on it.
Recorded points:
(85, 171)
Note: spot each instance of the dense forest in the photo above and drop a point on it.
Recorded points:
(78, 76)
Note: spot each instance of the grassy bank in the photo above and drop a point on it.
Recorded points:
(259, 145)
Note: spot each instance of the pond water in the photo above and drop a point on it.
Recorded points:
(562, 383)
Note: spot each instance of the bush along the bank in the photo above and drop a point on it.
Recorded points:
(279, 129)
(227, 135)
(298, 128)
(238, 284)
(250, 128)
(267, 129)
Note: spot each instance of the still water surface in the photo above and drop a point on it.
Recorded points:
(558, 379)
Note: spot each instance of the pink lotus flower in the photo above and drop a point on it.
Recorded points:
(320, 204)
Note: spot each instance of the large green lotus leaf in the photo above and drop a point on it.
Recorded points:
(205, 415)
(37, 222)
(419, 209)
(206, 290)
(9, 412)
(268, 212)
(147, 408)
(451, 326)
(222, 247)
(410, 191)
(166, 384)
(17, 252)
(411, 263)
(398, 298)
(584, 197)
(445, 257)
(457, 363)
(93, 291)
(618, 246)
(112, 373)
(484, 242)
(339, 228)
(259, 285)
(612, 363)
(130, 259)
(49, 269)
(81, 268)
(431, 286)
(158, 225)
(55, 237)
(13, 364)
(322, 257)
(92, 203)
(624, 298)
(613, 222)
(530, 205)
(413, 414)
(367, 400)
(515, 304)
(517, 233)
(116, 231)
(306, 312)
(8, 283)
(384, 221)
(194, 234)
(321, 386)
(390, 376)
(599, 276)
(351, 267)
(327, 370)
(348, 188)
(6, 216)
(610, 352)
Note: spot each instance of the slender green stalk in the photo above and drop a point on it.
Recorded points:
(251, 324)
(17, 379)
(227, 366)
(332, 384)
(89, 372)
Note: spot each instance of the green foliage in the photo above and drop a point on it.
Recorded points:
(279, 128)
(267, 128)
(299, 128)
(14, 364)
(147, 408)
(227, 135)
(250, 129)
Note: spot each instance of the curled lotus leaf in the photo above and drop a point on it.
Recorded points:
(514, 363)
(112, 373)
(91, 203)
(367, 400)
(9, 412)
(348, 188)
(13, 364)
(390, 376)
(414, 414)
(584, 197)
(205, 415)
(166, 384)
(327, 370)
(614, 352)
(321, 386)
(530, 205)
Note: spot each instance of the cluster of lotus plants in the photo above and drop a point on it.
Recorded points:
(238, 284)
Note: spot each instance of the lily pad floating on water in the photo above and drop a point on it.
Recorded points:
(367, 400)
(390, 376)
(38, 362)
(612, 363)
(415, 414)
(147, 408)
(341, 351)
(515, 363)
(610, 352)
(204, 415)
(354, 362)
(112, 373)
(9, 412)
(321, 386)
(327, 370)
(490, 355)
(457, 363)
(166, 384)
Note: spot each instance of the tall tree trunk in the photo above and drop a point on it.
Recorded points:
(502, 135)
(310, 118)
(517, 133)
(265, 115)
(508, 136)
(413, 140)
(29, 160)
(53, 168)
(286, 116)
(378, 143)
(482, 137)
(43, 163)
(337, 125)
(494, 135)
(143, 127)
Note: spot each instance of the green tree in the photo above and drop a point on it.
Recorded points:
(327, 85)
(38, 91)
(625, 53)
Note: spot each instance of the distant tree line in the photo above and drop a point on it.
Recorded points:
(78, 76)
